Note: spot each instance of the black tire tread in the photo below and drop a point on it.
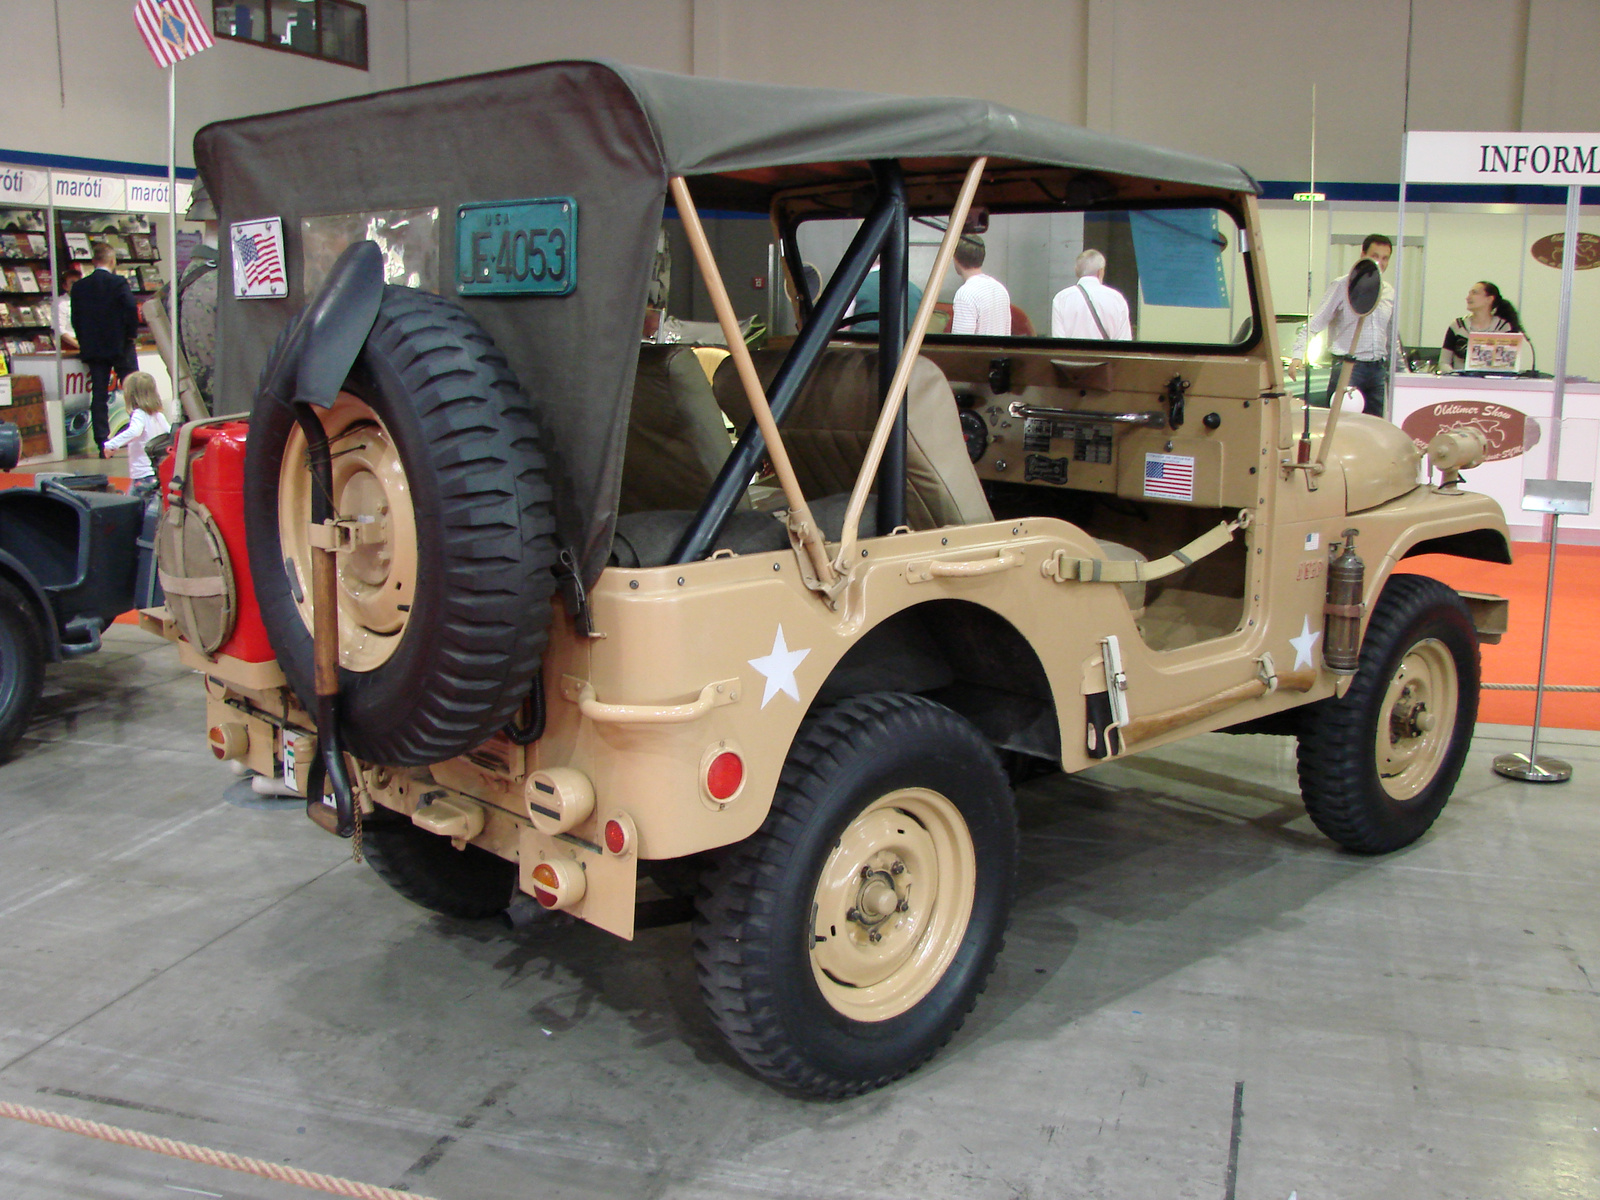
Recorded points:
(1334, 756)
(470, 883)
(19, 627)
(737, 903)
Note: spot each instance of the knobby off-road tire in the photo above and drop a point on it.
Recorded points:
(22, 655)
(445, 606)
(892, 817)
(1378, 764)
(427, 870)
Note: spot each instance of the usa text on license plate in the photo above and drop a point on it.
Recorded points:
(520, 247)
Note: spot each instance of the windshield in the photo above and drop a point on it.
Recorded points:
(1165, 276)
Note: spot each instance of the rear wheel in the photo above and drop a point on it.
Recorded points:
(22, 657)
(844, 943)
(428, 870)
(444, 563)
(1378, 764)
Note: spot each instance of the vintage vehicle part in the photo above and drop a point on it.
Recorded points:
(840, 946)
(1347, 579)
(445, 469)
(1378, 763)
(71, 554)
(1156, 420)
(22, 656)
(1453, 451)
(195, 567)
(426, 869)
(816, 700)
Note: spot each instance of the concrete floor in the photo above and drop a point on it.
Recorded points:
(1423, 1025)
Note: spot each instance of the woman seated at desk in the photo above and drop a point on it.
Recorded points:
(1487, 312)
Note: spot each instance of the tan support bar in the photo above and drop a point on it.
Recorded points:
(908, 359)
(801, 524)
(1336, 404)
(1062, 567)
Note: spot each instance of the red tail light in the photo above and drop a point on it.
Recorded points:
(725, 775)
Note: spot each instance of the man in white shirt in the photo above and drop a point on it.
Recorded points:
(1090, 309)
(982, 304)
(1369, 371)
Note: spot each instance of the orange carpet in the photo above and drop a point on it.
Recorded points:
(1574, 658)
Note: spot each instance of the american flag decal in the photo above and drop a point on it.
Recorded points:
(258, 259)
(1169, 476)
(171, 29)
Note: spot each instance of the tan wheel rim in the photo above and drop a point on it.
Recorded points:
(892, 904)
(377, 546)
(1417, 720)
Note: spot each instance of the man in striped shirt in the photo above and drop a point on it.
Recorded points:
(1369, 358)
(982, 305)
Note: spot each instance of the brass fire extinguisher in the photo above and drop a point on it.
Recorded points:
(1341, 643)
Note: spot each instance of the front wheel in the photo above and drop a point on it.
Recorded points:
(1378, 764)
(841, 945)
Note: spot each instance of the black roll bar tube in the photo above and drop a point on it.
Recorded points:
(792, 374)
(893, 320)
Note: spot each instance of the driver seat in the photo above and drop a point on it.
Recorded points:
(828, 430)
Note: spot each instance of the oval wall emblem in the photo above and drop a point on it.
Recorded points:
(1548, 250)
(1507, 430)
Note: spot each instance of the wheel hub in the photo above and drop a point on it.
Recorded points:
(1420, 704)
(891, 904)
(376, 547)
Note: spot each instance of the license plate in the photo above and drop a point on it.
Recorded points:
(517, 248)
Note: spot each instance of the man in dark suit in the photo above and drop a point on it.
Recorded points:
(106, 320)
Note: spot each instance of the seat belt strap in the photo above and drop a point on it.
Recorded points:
(1063, 567)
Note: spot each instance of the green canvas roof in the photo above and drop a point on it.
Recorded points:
(609, 137)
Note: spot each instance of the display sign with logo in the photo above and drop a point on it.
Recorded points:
(24, 188)
(1553, 159)
(96, 193)
(153, 195)
(1507, 430)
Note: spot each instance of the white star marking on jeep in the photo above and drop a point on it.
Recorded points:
(1303, 644)
(779, 667)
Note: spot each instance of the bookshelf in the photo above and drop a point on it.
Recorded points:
(26, 291)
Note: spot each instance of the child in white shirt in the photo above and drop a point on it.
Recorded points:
(147, 420)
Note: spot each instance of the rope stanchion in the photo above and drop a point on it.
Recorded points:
(281, 1172)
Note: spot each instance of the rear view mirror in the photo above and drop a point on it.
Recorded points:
(1364, 287)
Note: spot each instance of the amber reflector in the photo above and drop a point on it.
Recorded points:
(724, 775)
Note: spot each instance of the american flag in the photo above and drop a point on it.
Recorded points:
(171, 29)
(258, 259)
(1170, 476)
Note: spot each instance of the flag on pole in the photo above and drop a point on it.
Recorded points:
(171, 29)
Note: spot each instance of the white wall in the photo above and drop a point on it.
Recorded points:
(1205, 76)
(109, 100)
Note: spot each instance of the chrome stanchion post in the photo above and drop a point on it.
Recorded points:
(1555, 497)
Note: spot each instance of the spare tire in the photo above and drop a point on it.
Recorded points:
(445, 579)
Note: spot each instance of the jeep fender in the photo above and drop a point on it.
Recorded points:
(13, 569)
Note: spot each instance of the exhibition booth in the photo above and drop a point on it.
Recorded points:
(48, 219)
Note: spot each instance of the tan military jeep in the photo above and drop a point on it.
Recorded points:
(538, 623)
